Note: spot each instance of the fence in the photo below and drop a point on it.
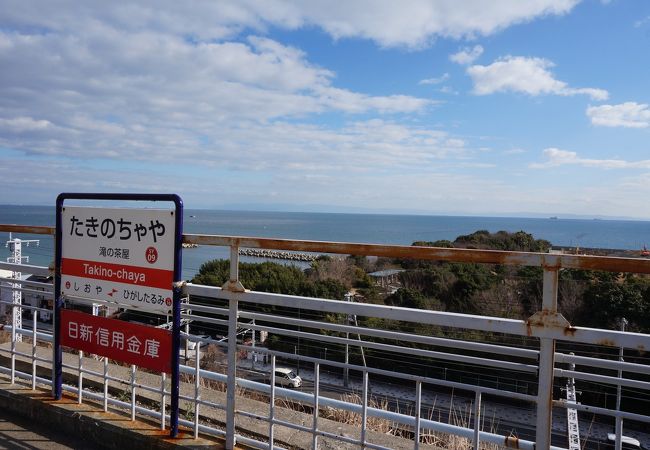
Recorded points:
(256, 407)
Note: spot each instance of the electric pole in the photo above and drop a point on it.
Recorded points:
(573, 426)
(15, 246)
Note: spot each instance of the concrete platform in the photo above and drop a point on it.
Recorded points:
(87, 425)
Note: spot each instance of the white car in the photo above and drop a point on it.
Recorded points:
(626, 441)
(287, 377)
(191, 345)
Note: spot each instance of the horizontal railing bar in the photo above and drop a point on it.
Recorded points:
(47, 287)
(26, 268)
(27, 332)
(210, 404)
(569, 333)
(251, 415)
(205, 319)
(408, 337)
(606, 263)
(603, 363)
(11, 304)
(602, 411)
(643, 385)
(28, 290)
(255, 444)
(27, 229)
(26, 376)
(597, 336)
(295, 426)
(26, 355)
(409, 351)
(209, 309)
(428, 317)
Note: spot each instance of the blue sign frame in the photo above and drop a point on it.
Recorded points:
(57, 369)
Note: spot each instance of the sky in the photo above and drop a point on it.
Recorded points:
(505, 107)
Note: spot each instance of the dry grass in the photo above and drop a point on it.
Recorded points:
(462, 417)
(5, 336)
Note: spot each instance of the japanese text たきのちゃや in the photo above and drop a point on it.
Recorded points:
(108, 228)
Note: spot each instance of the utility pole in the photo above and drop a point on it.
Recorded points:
(15, 246)
(573, 426)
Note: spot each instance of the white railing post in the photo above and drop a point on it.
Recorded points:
(34, 330)
(233, 315)
(418, 411)
(477, 419)
(546, 363)
(314, 428)
(105, 384)
(272, 403)
(133, 391)
(163, 405)
(14, 337)
(364, 410)
(619, 421)
(197, 388)
(81, 378)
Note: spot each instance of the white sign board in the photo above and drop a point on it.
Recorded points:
(119, 255)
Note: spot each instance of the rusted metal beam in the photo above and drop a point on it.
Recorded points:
(605, 263)
(26, 229)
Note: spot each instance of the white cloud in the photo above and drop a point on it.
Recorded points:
(23, 124)
(448, 90)
(467, 55)
(526, 75)
(441, 79)
(557, 157)
(628, 114)
(389, 23)
(166, 82)
(641, 22)
(386, 22)
(104, 92)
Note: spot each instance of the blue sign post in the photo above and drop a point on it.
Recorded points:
(92, 230)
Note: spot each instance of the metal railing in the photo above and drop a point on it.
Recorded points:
(251, 395)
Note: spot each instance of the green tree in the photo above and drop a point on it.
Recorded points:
(407, 298)
(607, 302)
(270, 277)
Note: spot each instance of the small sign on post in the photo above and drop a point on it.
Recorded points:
(130, 257)
(119, 255)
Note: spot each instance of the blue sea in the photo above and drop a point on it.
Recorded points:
(363, 228)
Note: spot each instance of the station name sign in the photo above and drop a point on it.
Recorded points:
(119, 255)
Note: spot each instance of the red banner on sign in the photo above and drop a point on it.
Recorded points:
(139, 276)
(132, 343)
